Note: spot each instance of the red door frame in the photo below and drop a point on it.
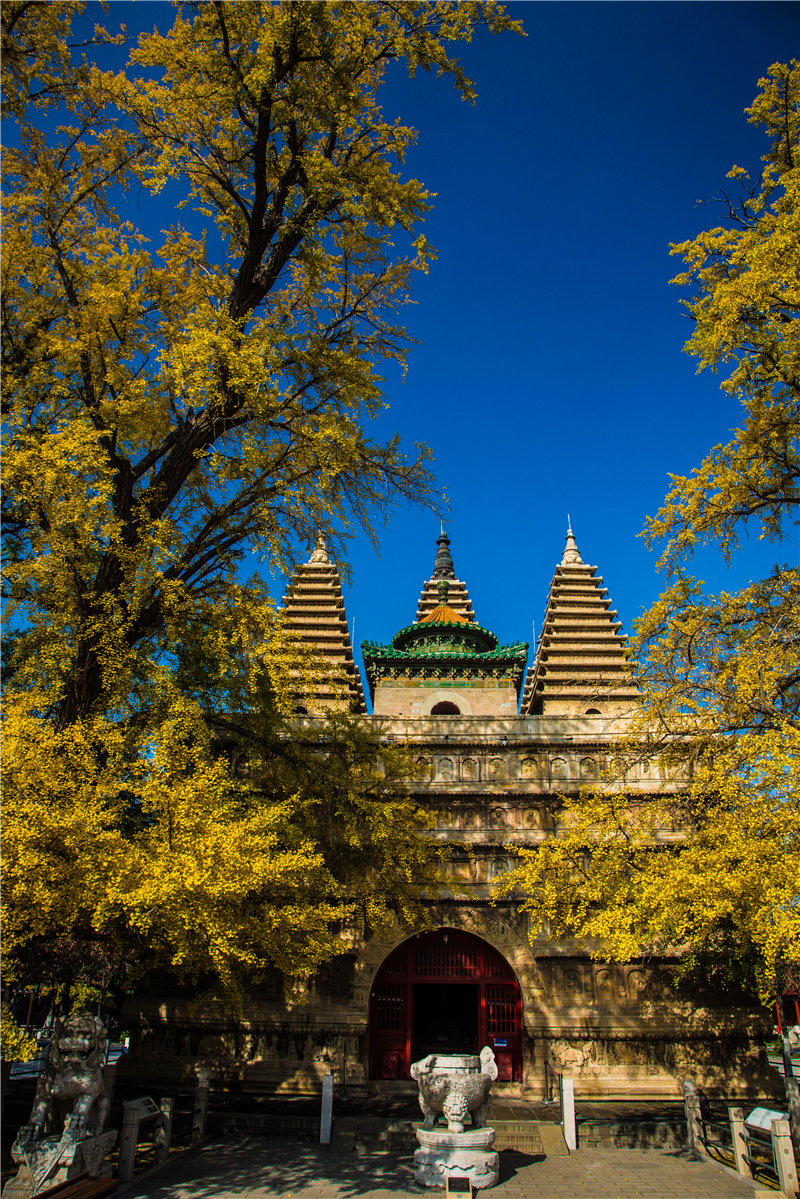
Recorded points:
(444, 956)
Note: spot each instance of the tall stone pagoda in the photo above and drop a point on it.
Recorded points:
(315, 615)
(581, 666)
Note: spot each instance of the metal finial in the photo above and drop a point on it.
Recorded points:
(443, 566)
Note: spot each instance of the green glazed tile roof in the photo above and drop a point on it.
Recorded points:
(504, 653)
(444, 640)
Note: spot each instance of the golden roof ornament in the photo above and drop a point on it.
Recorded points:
(443, 613)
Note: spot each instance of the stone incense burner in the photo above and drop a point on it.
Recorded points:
(453, 1085)
(456, 1085)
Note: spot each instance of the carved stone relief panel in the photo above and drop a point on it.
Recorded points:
(652, 768)
(498, 768)
(535, 986)
(445, 818)
(642, 984)
(589, 768)
(577, 1058)
(546, 975)
(677, 822)
(572, 984)
(605, 985)
(529, 768)
(470, 818)
(335, 978)
(498, 867)
(636, 1057)
(424, 769)
(469, 769)
(446, 768)
(532, 818)
(462, 868)
(497, 818)
(558, 768)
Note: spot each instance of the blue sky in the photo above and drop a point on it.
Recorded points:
(550, 377)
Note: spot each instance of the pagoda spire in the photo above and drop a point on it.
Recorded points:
(572, 555)
(443, 569)
(320, 556)
(443, 566)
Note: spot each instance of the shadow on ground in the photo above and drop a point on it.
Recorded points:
(511, 1162)
(237, 1166)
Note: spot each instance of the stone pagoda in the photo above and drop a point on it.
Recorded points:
(315, 615)
(445, 663)
(581, 667)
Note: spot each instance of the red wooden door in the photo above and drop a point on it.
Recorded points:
(425, 967)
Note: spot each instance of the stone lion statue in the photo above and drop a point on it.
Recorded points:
(70, 1093)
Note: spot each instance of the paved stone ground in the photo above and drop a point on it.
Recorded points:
(261, 1169)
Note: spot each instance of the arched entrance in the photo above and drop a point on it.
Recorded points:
(445, 992)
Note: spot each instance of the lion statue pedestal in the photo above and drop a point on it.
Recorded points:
(64, 1136)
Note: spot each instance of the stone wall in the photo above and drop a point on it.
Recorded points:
(405, 699)
(619, 1030)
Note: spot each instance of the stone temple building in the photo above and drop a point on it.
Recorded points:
(496, 746)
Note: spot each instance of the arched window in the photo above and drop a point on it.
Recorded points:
(445, 708)
(592, 712)
(301, 711)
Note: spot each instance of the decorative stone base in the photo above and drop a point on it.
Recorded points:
(442, 1155)
(53, 1161)
(20, 1186)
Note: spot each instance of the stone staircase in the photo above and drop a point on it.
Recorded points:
(371, 1134)
(533, 1137)
(259, 1124)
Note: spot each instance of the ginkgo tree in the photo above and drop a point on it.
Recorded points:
(172, 403)
(169, 407)
(719, 675)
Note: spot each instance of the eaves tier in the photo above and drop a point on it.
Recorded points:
(581, 665)
(445, 663)
(314, 612)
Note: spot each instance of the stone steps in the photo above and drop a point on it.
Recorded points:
(373, 1135)
(261, 1124)
(533, 1137)
(376, 1135)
